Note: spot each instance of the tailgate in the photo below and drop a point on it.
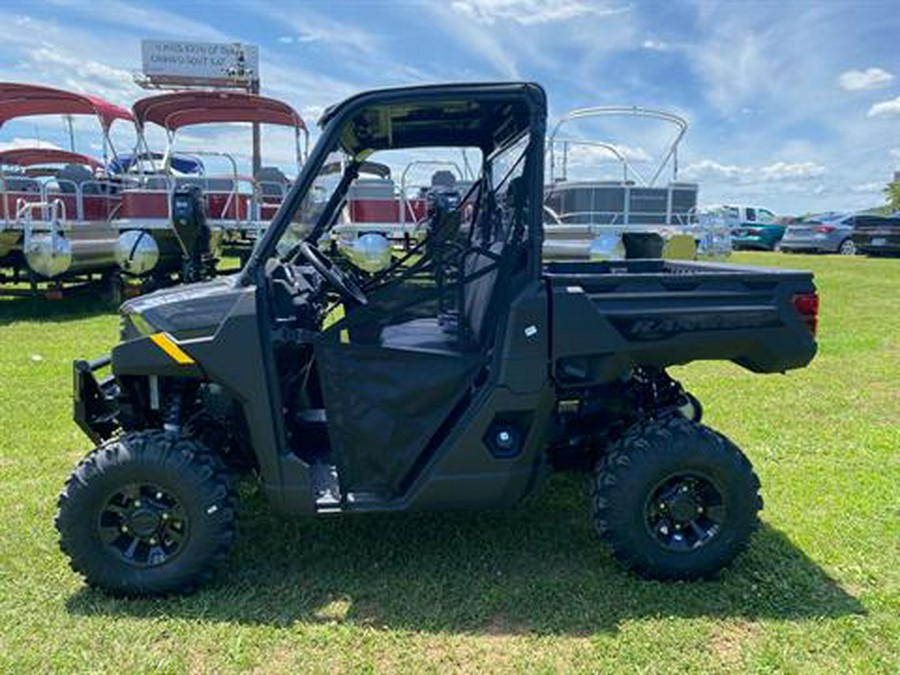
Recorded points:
(610, 317)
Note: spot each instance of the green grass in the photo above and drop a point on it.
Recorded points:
(526, 590)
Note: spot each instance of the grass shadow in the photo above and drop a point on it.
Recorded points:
(536, 569)
(77, 304)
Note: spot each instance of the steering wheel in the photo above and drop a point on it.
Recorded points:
(344, 285)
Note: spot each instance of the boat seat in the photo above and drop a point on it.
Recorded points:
(272, 181)
(219, 185)
(156, 183)
(12, 184)
(71, 176)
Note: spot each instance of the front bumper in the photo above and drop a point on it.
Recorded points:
(95, 400)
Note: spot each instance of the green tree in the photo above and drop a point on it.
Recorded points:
(892, 192)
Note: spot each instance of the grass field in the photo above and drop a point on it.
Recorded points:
(530, 590)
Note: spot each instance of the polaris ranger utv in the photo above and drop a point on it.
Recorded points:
(458, 376)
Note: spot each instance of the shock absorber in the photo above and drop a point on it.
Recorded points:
(172, 409)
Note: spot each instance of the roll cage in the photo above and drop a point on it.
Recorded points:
(490, 117)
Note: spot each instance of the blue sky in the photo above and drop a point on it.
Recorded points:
(792, 105)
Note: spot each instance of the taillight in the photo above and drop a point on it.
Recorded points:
(825, 229)
(807, 306)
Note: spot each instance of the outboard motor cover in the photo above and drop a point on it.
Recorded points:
(189, 223)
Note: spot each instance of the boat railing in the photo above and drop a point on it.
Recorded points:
(404, 185)
(52, 218)
(85, 200)
(669, 154)
(234, 201)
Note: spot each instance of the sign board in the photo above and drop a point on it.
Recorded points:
(184, 62)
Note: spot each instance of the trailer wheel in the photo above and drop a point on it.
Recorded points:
(675, 500)
(149, 513)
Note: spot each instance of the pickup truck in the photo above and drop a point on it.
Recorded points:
(753, 227)
(458, 375)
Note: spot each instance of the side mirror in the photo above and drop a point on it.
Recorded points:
(369, 252)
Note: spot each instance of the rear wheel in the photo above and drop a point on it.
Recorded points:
(847, 247)
(149, 513)
(675, 500)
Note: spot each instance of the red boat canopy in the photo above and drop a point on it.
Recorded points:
(36, 156)
(184, 108)
(21, 100)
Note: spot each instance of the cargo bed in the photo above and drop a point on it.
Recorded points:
(611, 316)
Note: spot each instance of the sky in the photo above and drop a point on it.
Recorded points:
(794, 106)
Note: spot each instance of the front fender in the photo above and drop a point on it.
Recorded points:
(158, 354)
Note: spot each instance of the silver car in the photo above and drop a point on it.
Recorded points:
(822, 233)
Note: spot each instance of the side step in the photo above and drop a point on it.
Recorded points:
(326, 487)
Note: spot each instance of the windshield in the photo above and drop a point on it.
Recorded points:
(321, 191)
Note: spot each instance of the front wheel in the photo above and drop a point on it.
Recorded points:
(675, 500)
(149, 513)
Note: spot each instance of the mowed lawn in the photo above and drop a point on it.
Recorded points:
(529, 590)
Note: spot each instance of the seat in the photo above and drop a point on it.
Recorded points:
(428, 334)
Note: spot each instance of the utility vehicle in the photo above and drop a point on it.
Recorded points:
(459, 376)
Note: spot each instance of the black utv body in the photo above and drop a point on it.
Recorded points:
(459, 376)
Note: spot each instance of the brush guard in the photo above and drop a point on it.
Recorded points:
(96, 405)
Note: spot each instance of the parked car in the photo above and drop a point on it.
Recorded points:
(877, 235)
(821, 233)
(753, 227)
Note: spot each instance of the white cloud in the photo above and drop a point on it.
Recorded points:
(889, 108)
(895, 152)
(867, 188)
(790, 171)
(84, 74)
(531, 12)
(313, 27)
(870, 78)
(148, 20)
(709, 168)
(27, 143)
(771, 173)
(591, 154)
(655, 45)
